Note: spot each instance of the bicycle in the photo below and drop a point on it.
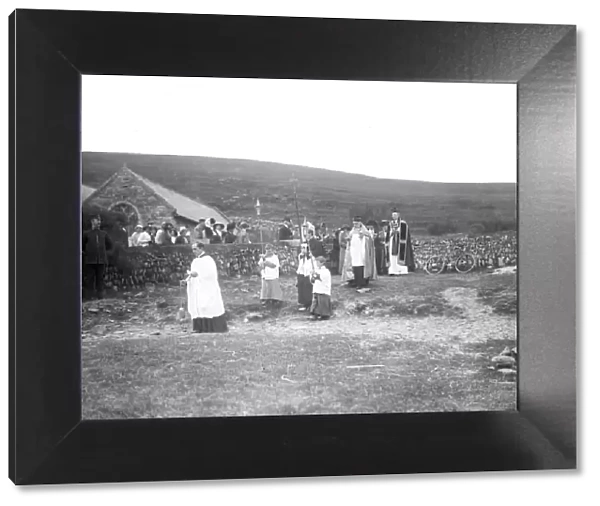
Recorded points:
(459, 260)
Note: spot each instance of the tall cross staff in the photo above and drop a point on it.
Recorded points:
(257, 206)
(303, 237)
(294, 182)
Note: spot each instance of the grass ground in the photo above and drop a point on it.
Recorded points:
(413, 344)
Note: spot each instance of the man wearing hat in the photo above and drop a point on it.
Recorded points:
(315, 245)
(285, 231)
(359, 265)
(230, 237)
(242, 236)
(372, 227)
(96, 247)
(202, 232)
(162, 236)
(399, 246)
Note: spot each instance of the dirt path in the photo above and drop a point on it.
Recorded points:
(139, 318)
(466, 300)
(477, 324)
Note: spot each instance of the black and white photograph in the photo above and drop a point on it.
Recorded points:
(260, 247)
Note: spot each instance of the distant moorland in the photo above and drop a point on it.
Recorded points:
(323, 195)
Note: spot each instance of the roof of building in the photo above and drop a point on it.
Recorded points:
(86, 191)
(185, 206)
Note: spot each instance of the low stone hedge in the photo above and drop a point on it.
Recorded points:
(498, 250)
(169, 264)
(137, 267)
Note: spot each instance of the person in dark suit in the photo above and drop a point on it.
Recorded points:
(202, 232)
(96, 247)
(285, 231)
(230, 237)
(316, 246)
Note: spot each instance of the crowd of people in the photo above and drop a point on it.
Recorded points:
(207, 231)
(379, 247)
(205, 300)
(359, 253)
(363, 253)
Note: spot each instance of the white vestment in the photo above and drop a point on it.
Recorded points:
(269, 273)
(395, 268)
(203, 291)
(323, 284)
(144, 239)
(357, 250)
(305, 265)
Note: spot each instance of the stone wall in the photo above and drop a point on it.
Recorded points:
(168, 264)
(497, 250)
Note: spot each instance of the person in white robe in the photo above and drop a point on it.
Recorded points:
(144, 239)
(360, 263)
(321, 307)
(133, 240)
(270, 292)
(205, 303)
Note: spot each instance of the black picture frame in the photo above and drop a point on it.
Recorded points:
(50, 50)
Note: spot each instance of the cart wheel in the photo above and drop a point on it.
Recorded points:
(435, 265)
(465, 263)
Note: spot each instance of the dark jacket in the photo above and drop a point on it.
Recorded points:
(285, 234)
(229, 238)
(96, 247)
(336, 242)
(205, 233)
(316, 247)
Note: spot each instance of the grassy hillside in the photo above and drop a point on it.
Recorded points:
(323, 195)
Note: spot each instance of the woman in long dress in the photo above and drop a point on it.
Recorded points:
(205, 303)
(270, 292)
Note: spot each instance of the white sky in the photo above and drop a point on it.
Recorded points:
(446, 132)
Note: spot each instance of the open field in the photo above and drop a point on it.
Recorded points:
(416, 343)
(325, 195)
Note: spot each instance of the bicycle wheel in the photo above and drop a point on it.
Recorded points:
(465, 263)
(435, 265)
